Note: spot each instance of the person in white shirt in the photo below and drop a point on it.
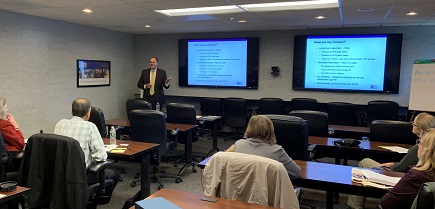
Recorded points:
(86, 133)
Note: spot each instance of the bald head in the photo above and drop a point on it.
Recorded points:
(81, 107)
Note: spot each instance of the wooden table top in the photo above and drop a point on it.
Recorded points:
(133, 149)
(190, 200)
(368, 145)
(355, 129)
(169, 126)
(14, 194)
(17, 191)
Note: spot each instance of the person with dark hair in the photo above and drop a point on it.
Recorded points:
(86, 133)
(261, 141)
(152, 81)
(12, 135)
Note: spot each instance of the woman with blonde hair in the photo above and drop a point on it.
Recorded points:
(261, 141)
(404, 192)
(9, 129)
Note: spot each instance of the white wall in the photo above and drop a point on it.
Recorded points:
(276, 49)
(38, 69)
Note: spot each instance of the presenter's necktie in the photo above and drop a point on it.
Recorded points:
(152, 81)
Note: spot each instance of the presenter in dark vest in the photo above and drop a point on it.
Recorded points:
(152, 81)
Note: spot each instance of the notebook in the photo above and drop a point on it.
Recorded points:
(155, 203)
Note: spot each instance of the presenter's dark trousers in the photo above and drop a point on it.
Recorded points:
(153, 101)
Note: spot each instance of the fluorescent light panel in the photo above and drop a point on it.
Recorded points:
(266, 7)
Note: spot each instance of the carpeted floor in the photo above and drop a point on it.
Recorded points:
(192, 182)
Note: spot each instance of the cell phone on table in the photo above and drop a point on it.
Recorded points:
(209, 199)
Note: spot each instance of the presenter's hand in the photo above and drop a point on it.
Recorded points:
(149, 85)
(169, 79)
(387, 164)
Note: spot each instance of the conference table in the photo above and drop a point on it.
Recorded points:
(12, 198)
(215, 121)
(355, 132)
(191, 200)
(186, 128)
(133, 151)
(366, 149)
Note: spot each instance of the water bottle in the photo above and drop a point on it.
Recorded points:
(158, 106)
(112, 135)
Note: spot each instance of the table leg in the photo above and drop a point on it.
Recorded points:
(329, 200)
(145, 175)
(214, 135)
(188, 153)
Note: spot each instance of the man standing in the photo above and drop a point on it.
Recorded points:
(152, 81)
(86, 133)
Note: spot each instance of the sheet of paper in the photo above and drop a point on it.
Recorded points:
(124, 145)
(118, 151)
(108, 148)
(380, 178)
(395, 149)
(2, 195)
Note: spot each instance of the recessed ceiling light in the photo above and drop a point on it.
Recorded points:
(87, 11)
(320, 17)
(412, 13)
(242, 21)
(365, 10)
(147, 26)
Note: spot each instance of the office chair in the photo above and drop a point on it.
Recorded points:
(183, 114)
(136, 104)
(392, 131)
(236, 115)
(270, 106)
(303, 104)
(150, 126)
(292, 134)
(209, 107)
(426, 196)
(318, 121)
(341, 113)
(380, 110)
(53, 166)
(97, 117)
(8, 168)
(221, 180)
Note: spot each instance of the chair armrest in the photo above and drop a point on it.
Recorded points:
(175, 131)
(257, 111)
(99, 166)
(331, 131)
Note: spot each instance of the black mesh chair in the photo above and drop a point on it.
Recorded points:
(209, 107)
(392, 131)
(136, 104)
(236, 115)
(341, 113)
(272, 106)
(150, 126)
(8, 166)
(60, 180)
(318, 121)
(303, 104)
(380, 110)
(183, 114)
(97, 117)
(292, 134)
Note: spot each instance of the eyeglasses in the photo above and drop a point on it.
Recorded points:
(414, 124)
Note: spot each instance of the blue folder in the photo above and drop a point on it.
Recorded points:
(156, 203)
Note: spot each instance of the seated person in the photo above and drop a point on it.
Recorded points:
(261, 141)
(86, 133)
(421, 124)
(405, 191)
(12, 136)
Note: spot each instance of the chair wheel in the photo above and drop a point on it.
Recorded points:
(123, 171)
(194, 170)
(136, 176)
(160, 187)
(178, 180)
(133, 184)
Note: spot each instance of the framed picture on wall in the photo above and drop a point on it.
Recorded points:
(93, 73)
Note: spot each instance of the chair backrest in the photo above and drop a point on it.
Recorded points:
(181, 113)
(341, 113)
(136, 104)
(264, 181)
(292, 134)
(54, 167)
(235, 112)
(149, 126)
(425, 198)
(318, 121)
(392, 131)
(382, 110)
(97, 117)
(273, 106)
(303, 104)
(4, 160)
(211, 106)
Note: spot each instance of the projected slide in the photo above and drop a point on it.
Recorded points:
(346, 62)
(217, 62)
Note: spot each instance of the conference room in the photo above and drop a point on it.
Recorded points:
(42, 41)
